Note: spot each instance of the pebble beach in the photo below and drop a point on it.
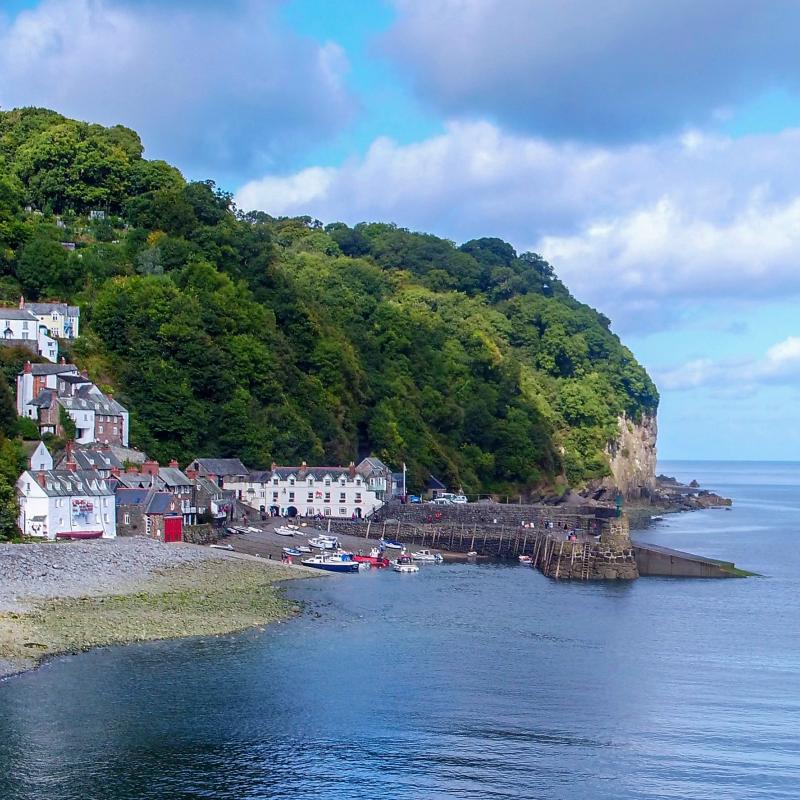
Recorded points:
(60, 598)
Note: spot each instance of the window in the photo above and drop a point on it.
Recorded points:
(342, 480)
(342, 512)
(309, 512)
(127, 519)
(310, 497)
(105, 517)
(327, 481)
(358, 481)
(327, 512)
(310, 480)
(358, 497)
(274, 497)
(100, 428)
(327, 497)
(291, 481)
(342, 497)
(274, 481)
(291, 497)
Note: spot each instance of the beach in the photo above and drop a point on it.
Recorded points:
(58, 598)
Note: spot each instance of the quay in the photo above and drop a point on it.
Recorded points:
(585, 544)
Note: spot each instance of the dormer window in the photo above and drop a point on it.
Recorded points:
(291, 481)
(310, 480)
(358, 481)
(327, 481)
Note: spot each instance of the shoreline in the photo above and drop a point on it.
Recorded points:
(141, 591)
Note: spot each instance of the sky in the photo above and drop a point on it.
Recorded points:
(647, 150)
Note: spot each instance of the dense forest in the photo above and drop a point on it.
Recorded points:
(234, 333)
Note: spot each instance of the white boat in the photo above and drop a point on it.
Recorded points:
(525, 560)
(388, 544)
(303, 548)
(282, 531)
(405, 564)
(426, 557)
(324, 542)
(222, 546)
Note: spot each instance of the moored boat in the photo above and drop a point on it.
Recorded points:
(388, 543)
(282, 530)
(426, 557)
(525, 560)
(405, 564)
(292, 551)
(222, 546)
(374, 559)
(335, 564)
(324, 542)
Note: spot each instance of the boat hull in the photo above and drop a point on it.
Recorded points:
(332, 566)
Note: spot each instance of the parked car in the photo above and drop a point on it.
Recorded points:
(414, 498)
(459, 499)
(442, 501)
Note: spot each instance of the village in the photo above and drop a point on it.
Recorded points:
(99, 486)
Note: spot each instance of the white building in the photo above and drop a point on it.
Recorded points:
(21, 327)
(56, 504)
(35, 378)
(61, 320)
(307, 491)
(39, 457)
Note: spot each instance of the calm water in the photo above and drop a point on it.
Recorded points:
(458, 682)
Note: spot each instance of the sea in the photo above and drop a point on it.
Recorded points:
(463, 681)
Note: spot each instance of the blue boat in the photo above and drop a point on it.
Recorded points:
(331, 564)
(388, 543)
(292, 551)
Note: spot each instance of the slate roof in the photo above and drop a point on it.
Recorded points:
(53, 369)
(93, 401)
(131, 497)
(44, 400)
(91, 458)
(48, 308)
(133, 480)
(17, 313)
(160, 503)
(220, 466)
(73, 378)
(372, 464)
(63, 483)
(171, 476)
(435, 483)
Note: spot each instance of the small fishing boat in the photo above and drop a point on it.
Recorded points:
(405, 564)
(324, 542)
(292, 551)
(525, 560)
(374, 559)
(388, 543)
(426, 557)
(330, 564)
(283, 531)
(221, 546)
(303, 548)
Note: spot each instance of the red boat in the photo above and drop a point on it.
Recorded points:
(374, 559)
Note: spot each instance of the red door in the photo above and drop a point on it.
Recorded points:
(173, 529)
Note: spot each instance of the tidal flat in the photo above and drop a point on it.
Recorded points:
(67, 598)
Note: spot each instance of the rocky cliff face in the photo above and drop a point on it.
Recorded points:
(633, 457)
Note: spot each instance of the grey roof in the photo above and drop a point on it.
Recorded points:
(371, 465)
(73, 378)
(133, 480)
(220, 466)
(90, 458)
(44, 400)
(63, 483)
(17, 313)
(53, 369)
(172, 476)
(209, 486)
(131, 497)
(160, 503)
(94, 401)
(48, 308)
(130, 454)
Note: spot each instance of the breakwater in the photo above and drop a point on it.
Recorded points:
(562, 546)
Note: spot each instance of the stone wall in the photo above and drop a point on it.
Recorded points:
(202, 534)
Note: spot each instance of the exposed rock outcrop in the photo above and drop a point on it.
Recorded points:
(632, 457)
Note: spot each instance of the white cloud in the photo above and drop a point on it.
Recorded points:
(779, 365)
(644, 232)
(214, 87)
(609, 70)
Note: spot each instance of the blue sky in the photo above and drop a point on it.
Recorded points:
(647, 149)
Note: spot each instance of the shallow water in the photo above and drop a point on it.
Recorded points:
(458, 682)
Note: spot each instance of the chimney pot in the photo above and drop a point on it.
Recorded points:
(22, 301)
(174, 464)
(28, 367)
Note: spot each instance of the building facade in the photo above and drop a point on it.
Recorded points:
(61, 320)
(19, 327)
(55, 504)
(341, 492)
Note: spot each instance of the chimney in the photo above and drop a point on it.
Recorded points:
(132, 469)
(63, 361)
(84, 374)
(191, 474)
(150, 468)
(174, 464)
(352, 470)
(303, 470)
(71, 464)
(41, 479)
(115, 471)
(21, 301)
(28, 368)
(273, 467)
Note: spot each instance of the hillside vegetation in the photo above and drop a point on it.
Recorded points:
(241, 334)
